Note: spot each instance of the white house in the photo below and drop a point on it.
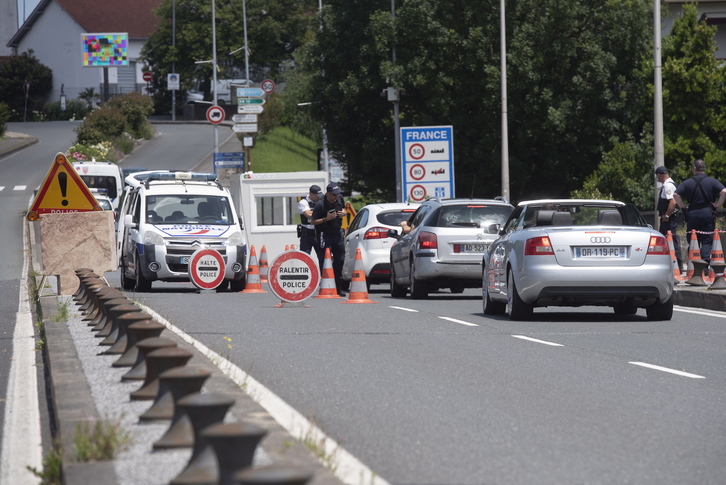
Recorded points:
(53, 31)
(712, 11)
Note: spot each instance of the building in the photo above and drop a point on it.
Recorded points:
(712, 11)
(53, 31)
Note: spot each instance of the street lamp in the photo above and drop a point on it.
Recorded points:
(505, 128)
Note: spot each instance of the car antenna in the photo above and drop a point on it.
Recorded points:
(473, 181)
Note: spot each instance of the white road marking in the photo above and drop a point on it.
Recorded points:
(403, 308)
(20, 187)
(666, 369)
(708, 313)
(459, 321)
(2, 188)
(538, 341)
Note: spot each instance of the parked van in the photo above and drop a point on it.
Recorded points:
(166, 217)
(102, 175)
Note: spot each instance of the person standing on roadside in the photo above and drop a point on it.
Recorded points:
(667, 209)
(327, 218)
(700, 191)
(306, 231)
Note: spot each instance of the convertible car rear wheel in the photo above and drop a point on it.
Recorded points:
(625, 310)
(518, 309)
(660, 311)
(491, 307)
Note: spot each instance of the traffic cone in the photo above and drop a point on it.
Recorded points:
(253, 275)
(327, 281)
(717, 263)
(358, 287)
(264, 265)
(287, 247)
(696, 266)
(672, 249)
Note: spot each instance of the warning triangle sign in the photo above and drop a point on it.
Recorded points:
(62, 191)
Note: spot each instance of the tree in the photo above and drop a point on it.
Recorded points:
(19, 73)
(570, 66)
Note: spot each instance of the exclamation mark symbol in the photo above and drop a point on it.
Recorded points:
(63, 181)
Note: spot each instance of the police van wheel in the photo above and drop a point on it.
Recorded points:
(126, 283)
(142, 284)
(222, 286)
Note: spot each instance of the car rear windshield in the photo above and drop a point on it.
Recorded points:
(473, 215)
(394, 218)
(583, 214)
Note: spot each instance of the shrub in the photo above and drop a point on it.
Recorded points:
(136, 108)
(4, 117)
(86, 153)
(102, 124)
(75, 110)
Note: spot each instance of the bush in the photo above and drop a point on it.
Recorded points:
(86, 153)
(102, 124)
(75, 110)
(136, 108)
(4, 117)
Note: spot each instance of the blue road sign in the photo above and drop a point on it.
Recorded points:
(229, 160)
(427, 158)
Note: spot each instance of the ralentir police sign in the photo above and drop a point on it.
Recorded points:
(427, 155)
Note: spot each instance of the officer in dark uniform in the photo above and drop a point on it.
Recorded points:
(700, 191)
(668, 210)
(327, 218)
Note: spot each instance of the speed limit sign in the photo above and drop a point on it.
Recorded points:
(268, 86)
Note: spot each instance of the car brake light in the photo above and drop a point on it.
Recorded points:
(658, 245)
(537, 246)
(427, 240)
(376, 233)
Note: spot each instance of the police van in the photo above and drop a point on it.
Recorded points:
(166, 217)
(102, 175)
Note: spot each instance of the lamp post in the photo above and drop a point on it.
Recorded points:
(505, 129)
(214, 75)
(393, 95)
(658, 150)
(173, 62)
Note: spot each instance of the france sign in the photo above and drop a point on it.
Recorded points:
(427, 156)
(293, 276)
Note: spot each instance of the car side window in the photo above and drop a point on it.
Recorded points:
(419, 216)
(360, 220)
(515, 220)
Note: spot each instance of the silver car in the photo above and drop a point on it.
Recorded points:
(574, 253)
(444, 245)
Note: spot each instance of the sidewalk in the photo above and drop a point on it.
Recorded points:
(13, 142)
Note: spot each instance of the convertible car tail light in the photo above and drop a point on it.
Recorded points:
(658, 245)
(376, 233)
(427, 240)
(538, 246)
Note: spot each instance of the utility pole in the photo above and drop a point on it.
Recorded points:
(505, 129)
(659, 159)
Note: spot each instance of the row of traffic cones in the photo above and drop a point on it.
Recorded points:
(358, 286)
(697, 272)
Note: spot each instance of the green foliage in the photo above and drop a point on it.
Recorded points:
(99, 442)
(90, 96)
(15, 73)
(101, 124)
(75, 110)
(52, 472)
(85, 153)
(136, 108)
(272, 116)
(282, 150)
(4, 117)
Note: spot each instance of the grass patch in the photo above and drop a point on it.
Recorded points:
(282, 150)
(62, 315)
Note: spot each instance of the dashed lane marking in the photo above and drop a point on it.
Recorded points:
(670, 371)
(545, 342)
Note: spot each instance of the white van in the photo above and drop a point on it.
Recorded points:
(166, 217)
(102, 175)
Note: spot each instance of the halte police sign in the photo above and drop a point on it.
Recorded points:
(206, 269)
(293, 276)
(427, 155)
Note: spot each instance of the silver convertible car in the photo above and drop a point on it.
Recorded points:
(574, 253)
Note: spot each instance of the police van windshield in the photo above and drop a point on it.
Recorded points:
(188, 209)
(101, 182)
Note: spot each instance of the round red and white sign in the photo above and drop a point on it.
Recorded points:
(215, 114)
(148, 77)
(293, 276)
(417, 193)
(268, 86)
(206, 269)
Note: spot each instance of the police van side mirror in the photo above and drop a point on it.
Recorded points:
(129, 221)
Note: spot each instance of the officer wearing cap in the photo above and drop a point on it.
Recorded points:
(700, 191)
(306, 230)
(667, 209)
(327, 218)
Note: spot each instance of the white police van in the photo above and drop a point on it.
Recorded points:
(166, 217)
(104, 176)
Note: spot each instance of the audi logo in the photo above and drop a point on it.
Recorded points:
(599, 239)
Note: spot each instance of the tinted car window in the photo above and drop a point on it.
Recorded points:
(360, 220)
(393, 218)
(473, 215)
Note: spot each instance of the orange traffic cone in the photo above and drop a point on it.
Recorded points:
(717, 263)
(253, 275)
(358, 287)
(327, 281)
(676, 270)
(696, 265)
(287, 247)
(264, 265)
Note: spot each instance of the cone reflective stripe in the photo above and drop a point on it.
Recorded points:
(358, 287)
(264, 265)
(327, 281)
(253, 275)
(672, 249)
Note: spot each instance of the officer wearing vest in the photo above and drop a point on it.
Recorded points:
(667, 209)
(327, 218)
(306, 230)
(700, 191)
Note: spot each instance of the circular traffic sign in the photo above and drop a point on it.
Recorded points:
(215, 114)
(268, 86)
(417, 193)
(417, 171)
(293, 276)
(416, 151)
(206, 269)
(148, 77)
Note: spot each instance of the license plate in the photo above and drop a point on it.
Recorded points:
(471, 248)
(600, 252)
(184, 260)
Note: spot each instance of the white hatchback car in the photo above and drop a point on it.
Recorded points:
(368, 231)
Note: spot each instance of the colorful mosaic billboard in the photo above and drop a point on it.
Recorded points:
(102, 50)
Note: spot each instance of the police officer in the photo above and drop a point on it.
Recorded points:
(327, 218)
(667, 209)
(307, 230)
(700, 191)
